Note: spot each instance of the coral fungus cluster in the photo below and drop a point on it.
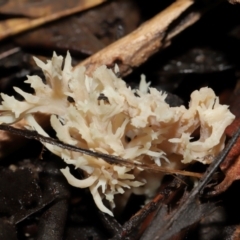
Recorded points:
(102, 114)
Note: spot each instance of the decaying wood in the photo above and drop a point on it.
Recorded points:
(134, 49)
(14, 26)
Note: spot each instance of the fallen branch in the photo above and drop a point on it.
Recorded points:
(134, 49)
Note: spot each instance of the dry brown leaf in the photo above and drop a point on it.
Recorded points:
(14, 26)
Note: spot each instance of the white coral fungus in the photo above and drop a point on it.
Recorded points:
(106, 116)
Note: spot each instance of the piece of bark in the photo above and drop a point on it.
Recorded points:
(14, 26)
(134, 49)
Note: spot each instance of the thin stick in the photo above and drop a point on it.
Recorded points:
(108, 158)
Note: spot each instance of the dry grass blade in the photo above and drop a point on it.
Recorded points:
(14, 26)
(108, 158)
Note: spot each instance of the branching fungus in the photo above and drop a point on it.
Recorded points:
(102, 114)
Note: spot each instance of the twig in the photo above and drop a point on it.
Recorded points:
(108, 158)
